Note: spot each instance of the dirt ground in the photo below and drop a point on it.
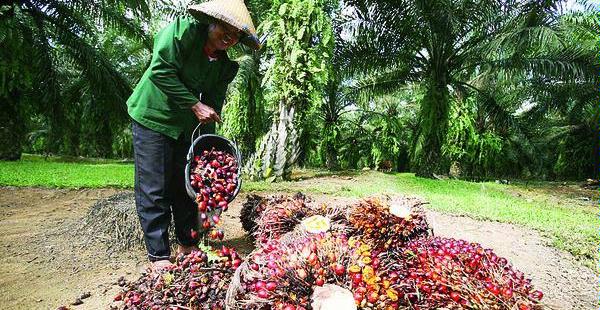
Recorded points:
(42, 267)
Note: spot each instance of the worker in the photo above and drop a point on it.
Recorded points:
(184, 85)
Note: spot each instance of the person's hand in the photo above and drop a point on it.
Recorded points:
(205, 114)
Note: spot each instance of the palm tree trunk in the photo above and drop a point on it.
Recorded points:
(434, 125)
(331, 157)
(279, 149)
(12, 126)
(596, 152)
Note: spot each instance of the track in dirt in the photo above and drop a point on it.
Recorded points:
(45, 266)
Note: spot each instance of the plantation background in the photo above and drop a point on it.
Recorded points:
(478, 90)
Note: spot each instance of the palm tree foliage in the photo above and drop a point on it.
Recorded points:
(448, 47)
(56, 59)
(244, 114)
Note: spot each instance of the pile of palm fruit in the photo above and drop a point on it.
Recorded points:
(380, 250)
(377, 253)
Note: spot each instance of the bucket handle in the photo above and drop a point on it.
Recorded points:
(198, 126)
(190, 153)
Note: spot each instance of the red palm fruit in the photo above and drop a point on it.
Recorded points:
(226, 251)
(455, 296)
(194, 285)
(507, 293)
(202, 207)
(537, 295)
(260, 285)
(219, 187)
(230, 188)
(339, 269)
(279, 272)
(358, 297)
(426, 289)
(312, 258)
(262, 294)
(372, 297)
(271, 286)
(495, 290)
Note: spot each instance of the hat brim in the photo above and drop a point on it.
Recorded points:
(249, 39)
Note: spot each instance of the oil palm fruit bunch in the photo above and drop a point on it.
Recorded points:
(195, 282)
(283, 273)
(275, 216)
(455, 274)
(388, 223)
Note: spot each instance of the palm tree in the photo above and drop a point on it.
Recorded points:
(244, 112)
(299, 45)
(244, 115)
(43, 37)
(568, 99)
(442, 45)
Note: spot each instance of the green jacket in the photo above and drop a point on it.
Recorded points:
(178, 73)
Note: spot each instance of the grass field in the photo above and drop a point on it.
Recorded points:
(562, 212)
(37, 171)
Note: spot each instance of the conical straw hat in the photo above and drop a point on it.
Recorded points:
(232, 12)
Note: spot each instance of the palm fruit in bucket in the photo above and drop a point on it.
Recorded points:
(214, 178)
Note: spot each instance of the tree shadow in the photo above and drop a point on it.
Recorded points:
(313, 174)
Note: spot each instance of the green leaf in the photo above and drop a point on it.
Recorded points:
(168, 278)
(301, 33)
(282, 9)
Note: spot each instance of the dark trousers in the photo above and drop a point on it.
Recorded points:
(160, 190)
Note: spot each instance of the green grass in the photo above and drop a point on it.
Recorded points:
(72, 159)
(546, 207)
(65, 174)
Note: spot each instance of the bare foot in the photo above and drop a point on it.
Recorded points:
(184, 249)
(161, 265)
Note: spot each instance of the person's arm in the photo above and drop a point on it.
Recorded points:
(170, 46)
(216, 96)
